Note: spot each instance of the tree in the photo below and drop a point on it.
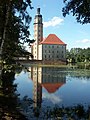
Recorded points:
(79, 8)
(78, 55)
(14, 28)
(10, 103)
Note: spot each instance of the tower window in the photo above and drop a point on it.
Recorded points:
(45, 56)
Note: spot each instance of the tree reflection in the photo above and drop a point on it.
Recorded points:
(67, 113)
(8, 98)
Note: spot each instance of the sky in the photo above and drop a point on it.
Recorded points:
(66, 28)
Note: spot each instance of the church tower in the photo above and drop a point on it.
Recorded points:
(38, 34)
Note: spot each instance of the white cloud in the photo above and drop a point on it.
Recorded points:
(53, 22)
(83, 41)
(53, 98)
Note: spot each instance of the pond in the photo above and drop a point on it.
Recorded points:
(42, 88)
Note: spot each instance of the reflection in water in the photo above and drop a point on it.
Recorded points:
(49, 86)
(52, 80)
(8, 98)
(48, 78)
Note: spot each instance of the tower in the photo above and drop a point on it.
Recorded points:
(38, 33)
(37, 89)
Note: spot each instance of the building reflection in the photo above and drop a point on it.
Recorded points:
(52, 79)
(48, 77)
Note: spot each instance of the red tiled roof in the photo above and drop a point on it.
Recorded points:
(52, 87)
(52, 39)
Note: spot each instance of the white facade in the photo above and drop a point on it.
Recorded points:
(38, 34)
(52, 48)
(54, 52)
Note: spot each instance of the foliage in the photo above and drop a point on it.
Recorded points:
(79, 8)
(10, 104)
(17, 27)
(8, 97)
(78, 55)
(67, 113)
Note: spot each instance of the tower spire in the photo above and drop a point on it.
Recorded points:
(38, 11)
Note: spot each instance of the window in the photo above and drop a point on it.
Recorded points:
(45, 56)
(39, 34)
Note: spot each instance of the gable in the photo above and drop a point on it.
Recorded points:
(52, 39)
(52, 87)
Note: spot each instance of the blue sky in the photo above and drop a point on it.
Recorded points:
(66, 28)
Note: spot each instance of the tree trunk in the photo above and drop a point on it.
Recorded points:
(5, 28)
(7, 11)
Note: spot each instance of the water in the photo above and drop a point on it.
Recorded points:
(42, 88)
(52, 86)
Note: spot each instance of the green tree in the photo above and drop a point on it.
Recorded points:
(79, 8)
(78, 55)
(14, 28)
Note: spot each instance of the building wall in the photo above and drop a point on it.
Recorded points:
(40, 52)
(50, 75)
(38, 34)
(53, 52)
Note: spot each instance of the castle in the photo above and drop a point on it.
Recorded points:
(51, 48)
